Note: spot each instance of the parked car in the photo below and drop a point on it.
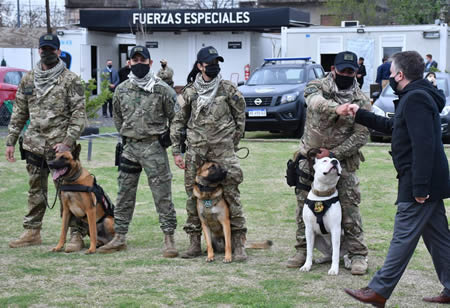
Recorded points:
(9, 81)
(274, 94)
(384, 106)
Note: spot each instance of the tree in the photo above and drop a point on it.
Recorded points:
(415, 11)
(369, 12)
(198, 4)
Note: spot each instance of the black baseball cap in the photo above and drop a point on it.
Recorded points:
(143, 51)
(346, 59)
(208, 55)
(51, 40)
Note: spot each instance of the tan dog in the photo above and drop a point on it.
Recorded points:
(214, 213)
(78, 198)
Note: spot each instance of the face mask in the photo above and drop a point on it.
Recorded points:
(393, 83)
(343, 82)
(109, 66)
(49, 57)
(140, 69)
(163, 65)
(212, 70)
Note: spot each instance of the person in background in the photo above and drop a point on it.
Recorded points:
(430, 63)
(383, 73)
(166, 73)
(124, 72)
(111, 74)
(361, 72)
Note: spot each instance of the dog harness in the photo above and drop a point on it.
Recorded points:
(319, 208)
(99, 193)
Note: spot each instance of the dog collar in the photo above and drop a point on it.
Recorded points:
(325, 193)
(74, 177)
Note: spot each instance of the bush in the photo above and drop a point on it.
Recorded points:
(95, 102)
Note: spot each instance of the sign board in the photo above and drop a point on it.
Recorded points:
(151, 44)
(234, 45)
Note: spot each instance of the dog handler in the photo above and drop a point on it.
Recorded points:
(341, 137)
(143, 107)
(212, 111)
(52, 98)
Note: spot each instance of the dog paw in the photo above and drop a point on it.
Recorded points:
(89, 252)
(333, 272)
(227, 260)
(56, 249)
(305, 268)
(210, 259)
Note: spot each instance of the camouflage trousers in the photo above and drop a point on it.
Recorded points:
(153, 159)
(228, 160)
(38, 182)
(350, 198)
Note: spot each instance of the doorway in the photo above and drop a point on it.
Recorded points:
(327, 60)
(124, 52)
(94, 67)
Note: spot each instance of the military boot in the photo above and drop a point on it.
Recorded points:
(75, 243)
(238, 244)
(359, 265)
(169, 247)
(28, 238)
(118, 243)
(297, 260)
(194, 249)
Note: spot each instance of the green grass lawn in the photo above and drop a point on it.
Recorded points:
(140, 277)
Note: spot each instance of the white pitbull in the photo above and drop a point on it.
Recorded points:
(322, 213)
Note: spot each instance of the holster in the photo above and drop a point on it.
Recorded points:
(164, 139)
(293, 173)
(119, 150)
(22, 151)
(183, 137)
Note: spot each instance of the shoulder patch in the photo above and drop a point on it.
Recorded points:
(78, 87)
(310, 90)
(28, 90)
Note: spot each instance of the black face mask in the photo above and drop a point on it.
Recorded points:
(109, 66)
(163, 65)
(140, 69)
(48, 57)
(343, 82)
(393, 83)
(212, 70)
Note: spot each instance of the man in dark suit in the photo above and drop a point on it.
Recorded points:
(423, 174)
(430, 63)
(361, 72)
(124, 72)
(111, 74)
(383, 72)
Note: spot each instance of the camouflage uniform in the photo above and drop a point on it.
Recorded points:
(57, 117)
(211, 136)
(140, 117)
(343, 137)
(166, 74)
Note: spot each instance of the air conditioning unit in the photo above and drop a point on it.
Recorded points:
(349, 23)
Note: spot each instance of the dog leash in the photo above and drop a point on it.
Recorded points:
(58, 184)
(246, 155)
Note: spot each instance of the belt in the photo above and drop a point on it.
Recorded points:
(146, 139)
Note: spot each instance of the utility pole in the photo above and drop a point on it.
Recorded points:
(47, 12)
(140, 4)
(18, 14)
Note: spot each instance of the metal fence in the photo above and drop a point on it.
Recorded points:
(5, 112)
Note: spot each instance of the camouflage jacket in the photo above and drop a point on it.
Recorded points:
(140, 114)
(57, 117)
(166, 75)
(219, 126)
(326, 129)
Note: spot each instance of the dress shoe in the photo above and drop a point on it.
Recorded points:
(368, 296)
(441, 299)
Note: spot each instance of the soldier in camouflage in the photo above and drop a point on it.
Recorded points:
(341, 137)
(212, 111)
(166, 73)
(143, 107)
(52, 98)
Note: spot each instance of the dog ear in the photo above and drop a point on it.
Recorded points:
(76, 152)
(312, 153)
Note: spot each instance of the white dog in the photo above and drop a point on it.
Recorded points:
(322, 213)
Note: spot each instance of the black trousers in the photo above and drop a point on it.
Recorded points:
(105, 108)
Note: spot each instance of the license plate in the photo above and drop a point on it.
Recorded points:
(257, 113)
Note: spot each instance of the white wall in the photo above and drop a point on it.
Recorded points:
(24, 58)
(264, 46)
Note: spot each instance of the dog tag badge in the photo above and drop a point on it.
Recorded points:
(207, 203)
(318, 207)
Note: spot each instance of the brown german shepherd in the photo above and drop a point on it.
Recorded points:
(83, 204)
(214, 213)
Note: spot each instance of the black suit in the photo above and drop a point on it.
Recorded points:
(422, 167)
(361, 71)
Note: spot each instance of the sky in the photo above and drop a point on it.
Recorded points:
(36, 3)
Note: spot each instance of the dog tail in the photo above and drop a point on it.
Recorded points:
(259, 245)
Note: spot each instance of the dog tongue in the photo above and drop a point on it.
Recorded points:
(58, 173)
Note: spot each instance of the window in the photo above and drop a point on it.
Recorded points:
(319, 72)
(311, 75)
(13, 78)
